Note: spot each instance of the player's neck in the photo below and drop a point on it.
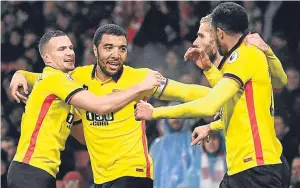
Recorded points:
(232, 40)
(101, 76)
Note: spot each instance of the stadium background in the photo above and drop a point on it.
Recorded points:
(158, 34)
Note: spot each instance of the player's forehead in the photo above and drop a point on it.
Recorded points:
(114, 40)
(204, 29)
(56, 42)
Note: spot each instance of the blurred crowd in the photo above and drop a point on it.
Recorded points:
(159, 33)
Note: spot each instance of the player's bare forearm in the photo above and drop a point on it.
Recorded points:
(116, 100)
(176, 91)
(278, 76)
(105, 104)
(203, 107)
(213, 75)
(29, 76)
(78, 134)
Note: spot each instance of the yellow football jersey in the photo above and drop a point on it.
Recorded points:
(47, 120)
(116, 142)
(248, 117)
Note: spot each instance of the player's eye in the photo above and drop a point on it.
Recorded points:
(108, 47)
(123, 49)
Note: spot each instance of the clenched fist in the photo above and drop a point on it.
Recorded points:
(143, 111)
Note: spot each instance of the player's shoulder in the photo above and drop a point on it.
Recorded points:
(250, 51)
(136, 71)
(83, 71)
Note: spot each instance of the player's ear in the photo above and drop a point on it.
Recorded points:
(95, 50)
(220, 34)
(46, 58)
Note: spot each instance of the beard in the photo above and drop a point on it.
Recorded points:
(102, 66)
(221, 49)
(104, 70)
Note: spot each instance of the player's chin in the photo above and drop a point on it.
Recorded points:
(70, 67)
(112, 72)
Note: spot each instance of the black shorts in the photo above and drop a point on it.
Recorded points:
(267, 176)
(127, 182)
(21, 175)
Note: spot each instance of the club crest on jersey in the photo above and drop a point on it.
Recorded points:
(233, 57)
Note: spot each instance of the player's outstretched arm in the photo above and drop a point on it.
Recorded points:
(176, 91)
(21, 79)
(206, 106)
(115, 101)
(279, 78)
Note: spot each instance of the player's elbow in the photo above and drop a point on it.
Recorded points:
(210, 111)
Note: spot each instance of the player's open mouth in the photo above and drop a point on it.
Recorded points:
(69, 60)
(113, 65)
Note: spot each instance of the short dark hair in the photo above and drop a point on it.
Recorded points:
(109, 29)
(47, 36)
(230, 17)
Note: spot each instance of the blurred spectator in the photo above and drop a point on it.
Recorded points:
(171, 154)
(289, 142)
(296, 172)
(30, 39)
(8, 144)
(254, 16)
(4, 128)
(4, 168)
(209, 166)
(278, 43)
(173, 69)
(290, 97)
(73, 179)
(293, 79)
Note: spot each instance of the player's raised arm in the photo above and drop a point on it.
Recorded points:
(21, 79)
(206, 106)
(279, 78)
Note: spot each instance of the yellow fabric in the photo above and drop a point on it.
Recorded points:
(176, 91)
(201, 107)
(29, 76)
(217, 125)
(116, 142)
(279, 78)
(247, 113)
(47, 121)
(213, 75)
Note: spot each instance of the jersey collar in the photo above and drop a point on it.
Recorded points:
(115, 77)
(240, 41)
(50, 69)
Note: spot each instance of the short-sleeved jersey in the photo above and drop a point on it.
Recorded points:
(116, 142)
(47, 120)
(248, 117)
